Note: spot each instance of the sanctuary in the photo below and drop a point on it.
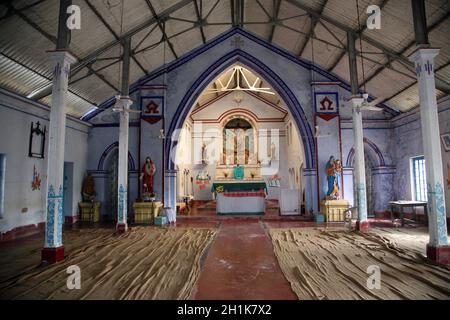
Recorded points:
(224, 149)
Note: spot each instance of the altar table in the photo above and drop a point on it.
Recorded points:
(240, 197)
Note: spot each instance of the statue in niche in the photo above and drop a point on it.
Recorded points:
(272, 155)
(333, 169)
(88, 191)
(147, 177)
(204, 154)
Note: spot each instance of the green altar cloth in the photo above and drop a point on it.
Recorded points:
(241, 185)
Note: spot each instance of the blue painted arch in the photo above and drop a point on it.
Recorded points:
(211, 73)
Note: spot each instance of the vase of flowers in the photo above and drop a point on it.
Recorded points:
(252, 174)
(152, 196)
(225, 174)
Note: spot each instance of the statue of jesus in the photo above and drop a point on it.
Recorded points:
(148, 172)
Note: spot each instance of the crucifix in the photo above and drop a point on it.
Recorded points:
(237, 42)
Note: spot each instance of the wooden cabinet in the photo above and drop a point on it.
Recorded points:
(89, 211)
(145, 212)
(334, 210)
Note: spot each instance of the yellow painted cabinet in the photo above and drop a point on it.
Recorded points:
(90, 212)
(334, 210)
(145, 212)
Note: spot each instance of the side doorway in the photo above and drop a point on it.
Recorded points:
(68, 189)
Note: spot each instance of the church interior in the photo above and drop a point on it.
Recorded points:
(224, 149)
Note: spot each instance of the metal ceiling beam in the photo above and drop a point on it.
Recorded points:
(111, 30)
(64, 33)
(199, 13)
(410, 86)
(311, 29)
(48, 90)
(36, 27)
(241, 12)
(440, 83)
(164, 15)
(336, 62)
(233, 18)
(43, 76)
(84, 62)
(161, 27)
(264, 9)
(276, 11)
(125, 83)
(352, 62)
(420, 22)
(13, 11)
(409, 45)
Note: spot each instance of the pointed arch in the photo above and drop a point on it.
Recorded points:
(373, 151)
(108, 151)
(242, 57)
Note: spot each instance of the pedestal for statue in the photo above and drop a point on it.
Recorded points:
(334, 210)
(89, 211)
(146, 212)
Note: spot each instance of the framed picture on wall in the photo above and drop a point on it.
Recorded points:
(37, 141)
(152, 108)
(446, 141)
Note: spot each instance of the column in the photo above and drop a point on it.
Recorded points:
(170, 194)
(362, 223)
(437, 248)
(123, 104)
(311, 195)
(53, 250)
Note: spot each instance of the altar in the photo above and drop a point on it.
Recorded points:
(240, 197)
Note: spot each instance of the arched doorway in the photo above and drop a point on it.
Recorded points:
(301, 124)
(373, 160)
(108, 163)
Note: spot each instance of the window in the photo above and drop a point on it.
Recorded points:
(419, 178)
(2, 183)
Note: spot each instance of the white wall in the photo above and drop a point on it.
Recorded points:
(408, 143)
(22, 205)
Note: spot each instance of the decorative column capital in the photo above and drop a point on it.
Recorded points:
(124, 102)
(421, 54)
(356, 101)
(62, 55)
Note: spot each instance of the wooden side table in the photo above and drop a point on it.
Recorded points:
(408, 204)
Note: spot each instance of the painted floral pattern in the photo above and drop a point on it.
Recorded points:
(122, 204)
(54, 202)
(437, 211)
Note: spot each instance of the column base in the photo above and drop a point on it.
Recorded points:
(439, 254)
(362, 226)
(70, 220)
(52, 255)
(121, 228)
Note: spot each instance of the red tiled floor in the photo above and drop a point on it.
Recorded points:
(241, 265)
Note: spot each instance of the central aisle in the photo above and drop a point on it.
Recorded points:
(241, 264)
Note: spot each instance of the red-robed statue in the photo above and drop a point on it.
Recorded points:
(148, 172)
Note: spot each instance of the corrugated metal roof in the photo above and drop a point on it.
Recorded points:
(26, 37)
